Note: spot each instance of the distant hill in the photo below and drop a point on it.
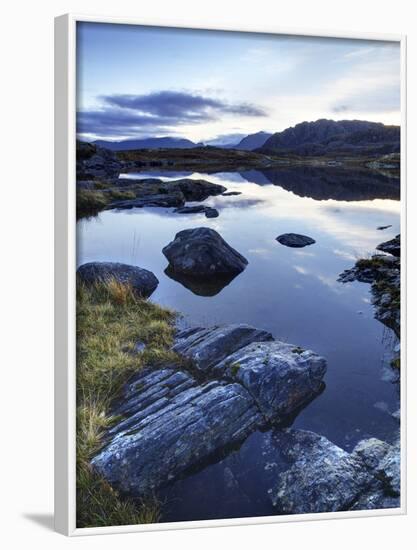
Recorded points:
(253, 141)
(324, 137)
(147, 143)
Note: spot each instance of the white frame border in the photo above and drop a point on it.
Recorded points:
(65, 269)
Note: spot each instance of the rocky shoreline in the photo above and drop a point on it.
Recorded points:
(383, 272)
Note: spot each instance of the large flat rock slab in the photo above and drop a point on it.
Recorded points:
(171, 423)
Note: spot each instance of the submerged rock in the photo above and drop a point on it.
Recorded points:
(202, 252)
(294, 240)
(143, 281)
(391, 247)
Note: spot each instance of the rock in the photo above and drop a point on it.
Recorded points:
(208, 346)
(279, 376)
(172, 424)
(208, 211)
(382, 227)
(191, 209)
(174, 421)
(197, 190)
(165, 200)
(203, 252)
(96, 162)
(231, 193)
(321, 477)
(371, 451)
(212, 213)
(143, 281)
(294, 240)
(389, 470)
(391, 247)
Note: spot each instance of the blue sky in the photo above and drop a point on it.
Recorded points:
(135, 81)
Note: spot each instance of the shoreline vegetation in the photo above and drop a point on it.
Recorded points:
(111, 319)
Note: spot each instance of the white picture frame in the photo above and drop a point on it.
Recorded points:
(65, 271)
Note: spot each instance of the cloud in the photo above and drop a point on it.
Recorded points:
(127, 114)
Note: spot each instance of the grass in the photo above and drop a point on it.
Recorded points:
(90, 202)
(110, 320)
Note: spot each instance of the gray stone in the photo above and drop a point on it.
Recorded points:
(279, 376)
(143, 281)
(371, 451)
(203, 252)
(208, 346)
(294, 240)
(389, 470)
(322, 477)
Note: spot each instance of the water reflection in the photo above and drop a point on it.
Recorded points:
(201, 286)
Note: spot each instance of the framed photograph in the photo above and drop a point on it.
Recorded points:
(230, 288)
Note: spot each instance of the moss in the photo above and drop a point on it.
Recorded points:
(110, 320)
(396, 363)
(234, 369)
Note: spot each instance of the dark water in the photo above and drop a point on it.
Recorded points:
(293, 293)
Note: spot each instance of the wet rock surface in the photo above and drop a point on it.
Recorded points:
(142, 281)
(295, 240)
(202, 252)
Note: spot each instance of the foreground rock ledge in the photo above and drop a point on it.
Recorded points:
(321, 477)
(202, 252)
(142, 281)
(174, 420)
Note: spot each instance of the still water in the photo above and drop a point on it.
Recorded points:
(293, 293)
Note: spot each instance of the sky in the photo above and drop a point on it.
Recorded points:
(211, 86)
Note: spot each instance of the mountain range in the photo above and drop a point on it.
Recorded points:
(248, 143)
(322, 137)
